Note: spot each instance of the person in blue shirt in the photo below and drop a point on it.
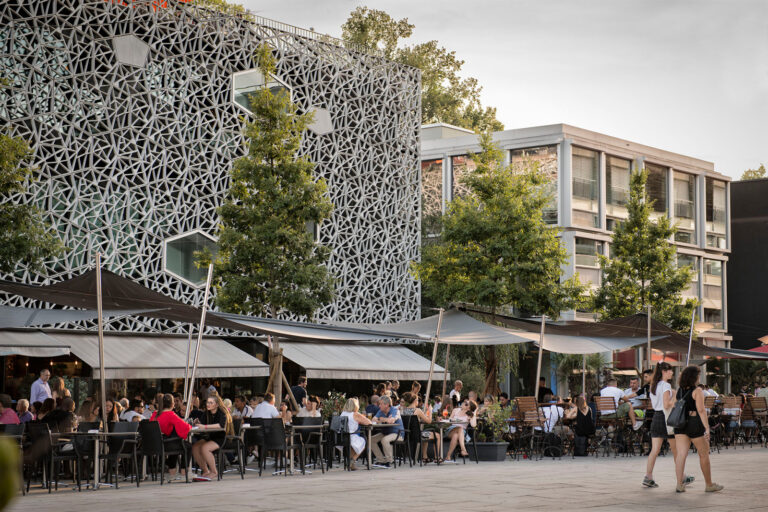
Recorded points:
(381, 441)
(373, 407)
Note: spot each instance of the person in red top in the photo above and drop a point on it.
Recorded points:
(173, 427)
(7, 414)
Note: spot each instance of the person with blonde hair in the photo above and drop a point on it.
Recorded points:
(216, 415)
(22, 411)
(354, 420)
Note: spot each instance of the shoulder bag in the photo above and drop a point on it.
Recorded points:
(678, 416)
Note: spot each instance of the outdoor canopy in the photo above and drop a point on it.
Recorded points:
(358, 362)
(31, 344)
(158, 357)
(28, 317)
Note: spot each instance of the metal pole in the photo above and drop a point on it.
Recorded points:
(434, 356)
(100, 320)
(584, 374)
(186, 368)
(690, 338)
(199, 340)
(445, 372)
(538, 366)
(649, 359)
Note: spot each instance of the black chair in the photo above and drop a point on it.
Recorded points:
(62, 451)
(339, 435)
(275, 439)
(233, 445)
(119, 448)
(311, 439)
(156, 448)
(252, 438)
(403, 444)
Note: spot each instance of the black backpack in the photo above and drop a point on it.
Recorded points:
(553, 445)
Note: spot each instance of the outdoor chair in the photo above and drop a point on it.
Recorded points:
(37, 450)
(233, 445)
(61, 451)
(252, 438)
(404, 445)
(275, 440)
(119, 448)
(156, 447)
(338, 435)
(311, 439)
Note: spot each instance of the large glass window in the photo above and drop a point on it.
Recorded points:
(617, 176)
(656, 189)
(687, 260)
(461, 166)
(716, 214)
(585, 169)
(685, 207)
(544, 159)
(586, 260)
(713, 292)
(180, 259)
(431, 196)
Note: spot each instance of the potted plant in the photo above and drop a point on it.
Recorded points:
(491, 445)
(334, 404)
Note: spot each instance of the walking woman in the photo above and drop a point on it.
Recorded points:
(696, 430)
(662, 400)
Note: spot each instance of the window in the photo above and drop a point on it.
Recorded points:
(431, 196)
(180, 257)
(714, 317)
(687, 260)
(586, 260)
(716, 214)
(585, 171)
(461, 167)
(245, 83)
(685, 207)
(544, 159)
(656, 189)
(712, 296)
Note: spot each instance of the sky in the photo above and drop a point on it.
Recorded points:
(688, 76)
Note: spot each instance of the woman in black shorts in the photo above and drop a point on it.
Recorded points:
(696, 429)
(662, 398)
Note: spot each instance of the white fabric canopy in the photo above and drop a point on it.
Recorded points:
(567, 344)
(359, 362)
(31, 344)
(150, 357)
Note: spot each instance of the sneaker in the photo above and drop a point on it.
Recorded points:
(680, 488)
(714, 488)
(353, 467)
(250, 459)
(637, 425)
(689, 480)
(201, 479)
(649, 482)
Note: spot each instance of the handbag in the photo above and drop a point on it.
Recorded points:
(678, 417)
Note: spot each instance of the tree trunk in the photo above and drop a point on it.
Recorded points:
(491, 372)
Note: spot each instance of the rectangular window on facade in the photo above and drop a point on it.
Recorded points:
(656, 189)
(685, 207)
(544, 160)
(716, 213)
(712, 296)
(617, 176)
(587, 263)
(586, 187)
(461, 166)
(431, 195)
(687, 260)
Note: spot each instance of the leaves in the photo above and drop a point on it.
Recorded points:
(754, 174)
(642, 269)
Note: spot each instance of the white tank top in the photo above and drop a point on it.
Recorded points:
(352, 425)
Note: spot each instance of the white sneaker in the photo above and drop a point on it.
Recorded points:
(250, 459)
(637, 425)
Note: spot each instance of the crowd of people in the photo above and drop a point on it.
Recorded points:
(572, 418)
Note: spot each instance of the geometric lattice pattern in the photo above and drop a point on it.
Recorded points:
(129, 111)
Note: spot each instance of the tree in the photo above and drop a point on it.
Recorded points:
(25, 239)
(754, 174)
(445, 96)
(496, 250)
(642, 268)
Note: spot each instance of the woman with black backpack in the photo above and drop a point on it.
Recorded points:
(696, 429)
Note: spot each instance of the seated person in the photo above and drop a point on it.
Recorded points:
(266, 409)
(135, 412)
(241, 409)
(62, 419)
(373, 407)
(472, 397)
(623, 406)
(634, 394)
(216, 415)
(7, 415)
(354, 420)
(173, 428)
(465, 414)
(409, 405)
(22, 411)
(487, 402)
(285, 412)
(504, 400)
(553, 413)
(310, 410)
(382, 439)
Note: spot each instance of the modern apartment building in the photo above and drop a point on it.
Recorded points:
(590, 174)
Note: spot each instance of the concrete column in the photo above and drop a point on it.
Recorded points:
(569, 269)
(602, 197)
(447, 185)
(670, 194)
(701, 222)
(564, 185)
(727, 217)
(724, 299)
(701, 287)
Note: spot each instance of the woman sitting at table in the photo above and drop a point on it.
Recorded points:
(409, 405)
(285, 413)
(354, 420)
(216, 415)
(173, 428)
(465, 414)
(310, 410)
(48, 405)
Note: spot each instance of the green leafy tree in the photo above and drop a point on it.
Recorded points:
(496, 250)
(25, 239)
(445, 96)
(268, 262)
(754, 174)
(642, 269)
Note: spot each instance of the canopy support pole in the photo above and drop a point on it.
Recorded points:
(649, 359)
(690, 338)
(538, 365)
(100, 321)
(288, 386)
(584, 374)
(199, 341)
(186, 368)
(445, 373)
(434, 356)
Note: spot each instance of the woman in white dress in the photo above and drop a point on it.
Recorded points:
(354, 420)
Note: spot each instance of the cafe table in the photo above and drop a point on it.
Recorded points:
(97, 436)
(369, 429)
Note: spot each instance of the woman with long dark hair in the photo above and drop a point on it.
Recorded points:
(662, 400)
(696, 430)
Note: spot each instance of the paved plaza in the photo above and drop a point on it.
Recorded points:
(602, 484)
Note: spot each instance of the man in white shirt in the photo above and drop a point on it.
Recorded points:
(552, 413)
(41, 390)
(241, 409)
(456, 391)
(634, 393)
(623, 406)
(266, 409)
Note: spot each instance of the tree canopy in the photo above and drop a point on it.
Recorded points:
(642, 268)
(446, 97)
(754, 174)
(268, 261)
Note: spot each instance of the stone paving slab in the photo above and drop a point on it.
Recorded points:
(574, 484)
